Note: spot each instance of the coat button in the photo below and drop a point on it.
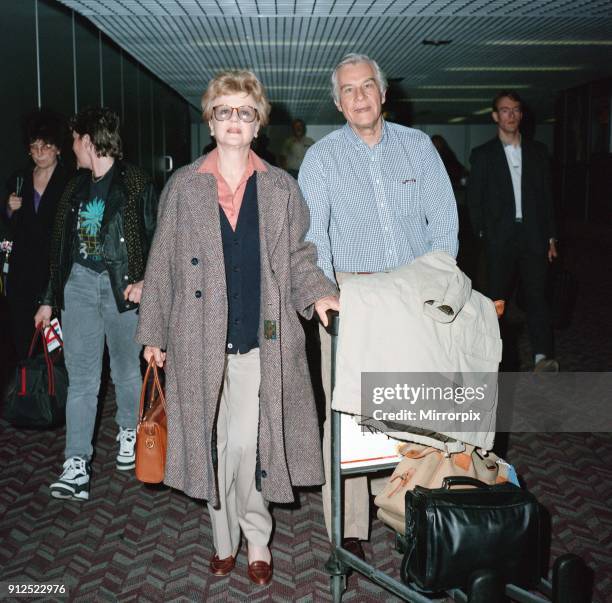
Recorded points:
(122, 240)
(125, 278)
(194, 261)
(198, 294)
(264, 474)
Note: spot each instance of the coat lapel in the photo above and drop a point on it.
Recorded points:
(526, 174)
(272, 203)
(52, 193)
(501, 166)
(203, 202)
(116, 196)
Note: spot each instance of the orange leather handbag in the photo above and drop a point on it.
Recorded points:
(152, 429)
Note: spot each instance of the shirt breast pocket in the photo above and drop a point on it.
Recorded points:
(404, 196)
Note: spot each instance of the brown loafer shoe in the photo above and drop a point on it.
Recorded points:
(260, 572)
(222, 567)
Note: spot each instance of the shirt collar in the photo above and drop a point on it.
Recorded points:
(355, 140)
(209, 165)
(510, 145)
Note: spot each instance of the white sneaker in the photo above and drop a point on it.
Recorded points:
(126, 457)
(546, 365)
(74, 480)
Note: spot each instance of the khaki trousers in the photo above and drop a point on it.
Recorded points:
(356, 496)
(242, 506)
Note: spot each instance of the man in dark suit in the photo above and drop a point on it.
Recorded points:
(511, 208)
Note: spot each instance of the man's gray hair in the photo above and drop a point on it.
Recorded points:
(352, 59)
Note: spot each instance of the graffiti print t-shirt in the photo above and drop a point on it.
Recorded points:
(89, 222)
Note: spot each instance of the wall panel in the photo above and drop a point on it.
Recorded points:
(131, 118)
(87, 64)
(56, 64)
(111, 75)
(17, 83)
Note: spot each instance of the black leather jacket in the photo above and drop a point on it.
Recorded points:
(127, 231)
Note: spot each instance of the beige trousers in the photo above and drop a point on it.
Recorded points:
(356, 497)
(242, 506)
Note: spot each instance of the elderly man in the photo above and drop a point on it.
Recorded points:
(379, 197)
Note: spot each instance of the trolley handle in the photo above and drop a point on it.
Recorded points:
(333, 322)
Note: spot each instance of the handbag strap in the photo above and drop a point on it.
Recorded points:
(38, 333)
(411, 453)
(156, 385)
(403, 478)
(459, 480)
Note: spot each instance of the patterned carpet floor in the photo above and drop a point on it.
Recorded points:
(132, 542)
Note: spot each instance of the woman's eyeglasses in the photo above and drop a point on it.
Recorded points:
(245, 113)
(36, 147)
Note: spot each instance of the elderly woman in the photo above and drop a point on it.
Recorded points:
(228, 273)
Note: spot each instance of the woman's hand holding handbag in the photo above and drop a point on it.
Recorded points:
(152, 430)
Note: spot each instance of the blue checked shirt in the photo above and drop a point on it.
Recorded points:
(377, 209)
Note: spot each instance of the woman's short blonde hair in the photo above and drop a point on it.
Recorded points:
(240, 81)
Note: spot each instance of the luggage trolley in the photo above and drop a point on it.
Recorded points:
(570, 576)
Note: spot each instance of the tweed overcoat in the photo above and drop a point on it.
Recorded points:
(184, 310)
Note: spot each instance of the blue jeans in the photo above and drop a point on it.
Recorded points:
(89, 317)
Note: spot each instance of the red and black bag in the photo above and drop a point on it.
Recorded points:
(37, 397)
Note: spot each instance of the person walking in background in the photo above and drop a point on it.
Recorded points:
(454, 168)
(295, 147)
(379, 197)
(30, 211)
(261, 146)
(511, 207)
(101, 237)
(228, 273)
(469, 248)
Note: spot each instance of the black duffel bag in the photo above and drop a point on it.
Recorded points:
(37, 397)
(452, 533)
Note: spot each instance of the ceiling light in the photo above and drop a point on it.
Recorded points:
(516, 68)
(297, 87)
(549, 43)
(456, 120)
(439, 100)
(271, 68)
(475, 87)
(483, 111)
(292, 69)
(250, 42)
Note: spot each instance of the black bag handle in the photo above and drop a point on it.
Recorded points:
(38, 333)
(459, 480)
